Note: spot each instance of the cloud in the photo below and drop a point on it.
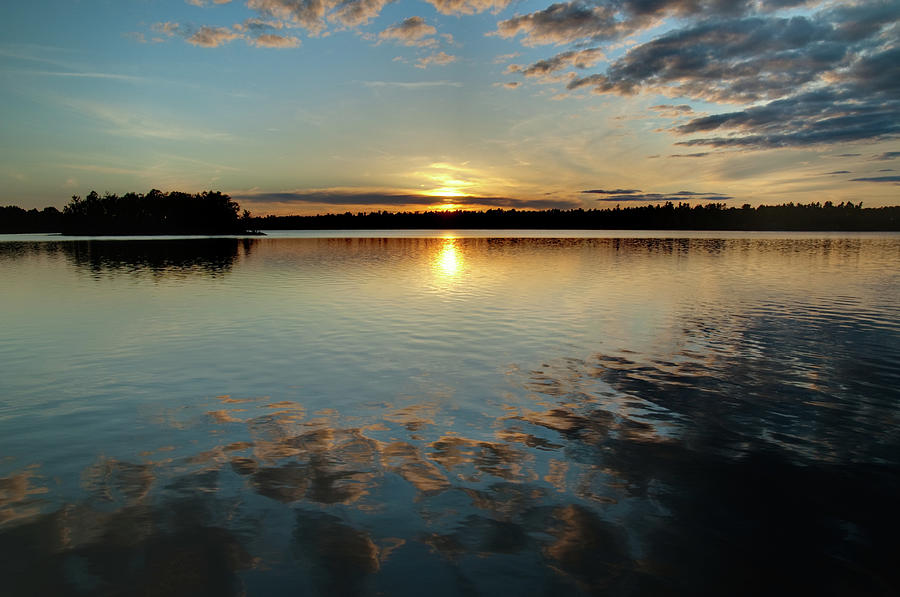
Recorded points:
(827, 75)
(258, 26)
(877, 179)
(89, 75)
(741, 60)
(136, 36)
(212, 37)
(167, 28)
(314, 15)
(132, 122)
(584, 20)
(271, 40)
(354, 13)
(468, 7)
(621, 195)
(412, 84)
(510, 84)
(818, 117)
(574, 58)
(440, 59)
(888, 155)
(410, 32)
(505, 57)
(257, 32)
(562, 23)
(700, 154)
(670, 111)
(343, 197)
(204, 3)
(309, 14)
(838, 172)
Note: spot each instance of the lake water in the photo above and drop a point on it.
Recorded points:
(450, 414)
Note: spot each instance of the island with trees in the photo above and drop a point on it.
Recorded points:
(215, 213)
(206, 213)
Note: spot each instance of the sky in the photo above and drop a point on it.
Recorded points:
(315, 106)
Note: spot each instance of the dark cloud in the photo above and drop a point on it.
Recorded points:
(827, 76)
(848, 155)
(563, 23)
(735, 60)
(699, 154)
(340, 198)
(620, 195)
(613, 191)
(877, 179)
(886, 170)
(889, 155)
(581, 20)
(838, 172)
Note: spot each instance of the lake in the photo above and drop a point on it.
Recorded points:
(450, 413)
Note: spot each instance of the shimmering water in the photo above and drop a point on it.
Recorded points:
(450, 415)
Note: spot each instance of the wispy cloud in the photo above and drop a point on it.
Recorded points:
(83, 75)
(612, 191)
(622, 195)
(132, 122)
(412, 84)
(877, 179)
(205, 2)
(344, 197)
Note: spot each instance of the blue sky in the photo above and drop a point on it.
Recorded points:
(306, 106)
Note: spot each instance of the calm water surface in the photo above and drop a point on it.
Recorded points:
(453, 415)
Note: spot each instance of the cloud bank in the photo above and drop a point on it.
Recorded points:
(829, 74)
(390, 199)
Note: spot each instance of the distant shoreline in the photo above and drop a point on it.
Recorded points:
(214, 214)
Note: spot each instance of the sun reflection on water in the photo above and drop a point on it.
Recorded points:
(448, 261)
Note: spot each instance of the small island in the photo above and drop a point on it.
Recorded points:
(207, 213)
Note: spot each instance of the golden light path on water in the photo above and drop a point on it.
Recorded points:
(448, 261)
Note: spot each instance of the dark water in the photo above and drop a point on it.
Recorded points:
(450, 416)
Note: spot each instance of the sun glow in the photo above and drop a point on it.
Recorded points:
(448, 261)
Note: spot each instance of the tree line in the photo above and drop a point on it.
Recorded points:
(667, 216)
(209, 212)
(212, 212)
